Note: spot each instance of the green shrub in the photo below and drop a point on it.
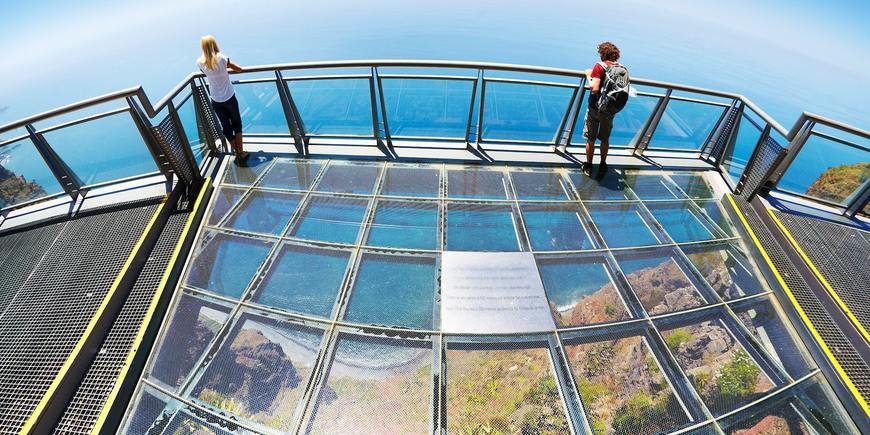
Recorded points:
(738, 378)
(677, 337)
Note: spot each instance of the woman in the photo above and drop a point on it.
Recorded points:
(214, 65)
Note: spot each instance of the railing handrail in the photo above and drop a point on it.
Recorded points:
(152, 110)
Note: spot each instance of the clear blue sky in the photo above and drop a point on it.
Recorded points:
(788, 56)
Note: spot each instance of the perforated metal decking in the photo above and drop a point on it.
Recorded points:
(90, 397)
(841, 255)
(841, 352)
(62, 284)
(20, 251)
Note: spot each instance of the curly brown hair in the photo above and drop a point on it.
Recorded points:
(608, 51)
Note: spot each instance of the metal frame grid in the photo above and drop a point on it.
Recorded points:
(87, 403)
(639, 323)
(45, 320)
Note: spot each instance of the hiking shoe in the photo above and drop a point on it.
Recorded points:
(602, 170)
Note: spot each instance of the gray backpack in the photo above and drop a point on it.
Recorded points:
(614, 89)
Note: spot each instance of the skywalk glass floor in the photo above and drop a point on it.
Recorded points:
(312, 303)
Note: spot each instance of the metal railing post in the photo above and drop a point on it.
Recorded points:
(380, 86)
(182, 136)
(560, 134)
(471, 107)
(722, 127)
(289, 113)
(478, 138)
(860, 202)
(792, 151)
(753, 159)
(208, 117)
(376, 125)
(144, 127)
(65, 176)
(650, 127)
(575, 115)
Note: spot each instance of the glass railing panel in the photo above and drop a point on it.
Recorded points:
(628, 124)
(737, 155)
(334, 106)
(191, 124)
(24, 176)
(524, 112)
(260, 107)
(103, 149)
(427, 107)
(828, 170)
(685, 125)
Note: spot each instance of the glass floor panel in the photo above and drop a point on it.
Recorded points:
(476, 183)
(659, 282)
(225, 264)
(409, 283)
(713, 211)
(193, 324)
(475, 227)
(725, 268)
(261, 370)
(555, 228)
(290, 285)
(623, 388)
(330, 219)
(402, 181)
(294, 175)
(264, 212)
(248, 172)
(722, 372)
(581, 290)
(349, 178)
(157, 413)
(540, 186)
(375, 385)
(405, 224)
(224, 199)
(680, 222)
(694, 185)
(609, 188)
(761, 318)
(806, 411)
(651, 186)
(507, 388)
(248, 327)
(621, 225)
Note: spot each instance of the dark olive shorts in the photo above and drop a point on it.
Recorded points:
(597, 126)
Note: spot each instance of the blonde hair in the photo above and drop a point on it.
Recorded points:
(210, 50)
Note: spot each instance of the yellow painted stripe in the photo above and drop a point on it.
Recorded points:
(152, 307)
(40, 407)
(821, 278)
(803, 315)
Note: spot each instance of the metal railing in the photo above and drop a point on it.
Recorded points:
(734, 135)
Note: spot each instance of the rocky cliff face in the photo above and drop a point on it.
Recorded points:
(838, 182)
(15, 189)
(664, 288)
(254, 372)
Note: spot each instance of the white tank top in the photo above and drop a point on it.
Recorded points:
(219, 84)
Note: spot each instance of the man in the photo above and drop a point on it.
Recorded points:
(610, 76)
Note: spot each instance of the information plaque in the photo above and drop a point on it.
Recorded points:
(492, 292)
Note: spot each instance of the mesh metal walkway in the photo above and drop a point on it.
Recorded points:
(90, 397)
(845, 358)
(58, 294)
(841, 255)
